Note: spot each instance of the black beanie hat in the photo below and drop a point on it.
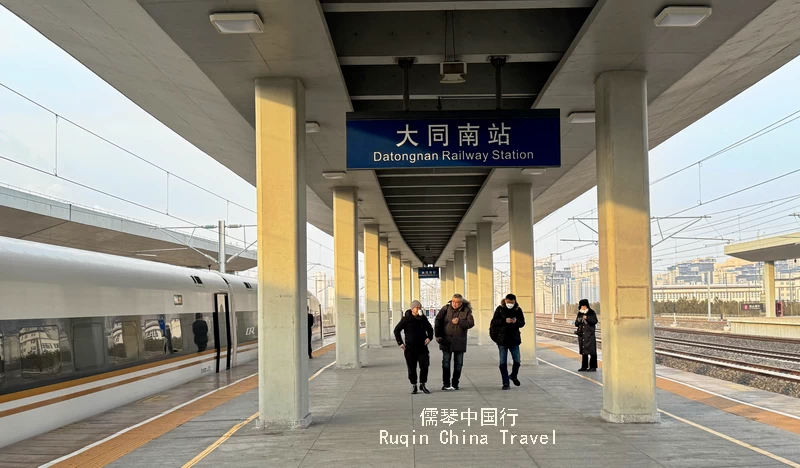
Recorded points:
(584, 302)
(511, 297)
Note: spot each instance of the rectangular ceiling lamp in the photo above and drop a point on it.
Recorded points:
(682, 16)
(581, 117)
(237, 23)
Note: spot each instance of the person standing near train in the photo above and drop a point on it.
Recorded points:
(310, 325)
(587, 343)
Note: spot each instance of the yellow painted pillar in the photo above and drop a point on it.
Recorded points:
(458, 274)
(386, 320)
(345, 267)
(769, 288)
(372, 284)
(416, 293)
(485, 281)
(450, 283)
(397, 303)
(281, 198)
(623, 203)
(406, 287)
(472, 284)
(520, 229)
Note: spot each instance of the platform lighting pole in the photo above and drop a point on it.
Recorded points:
(708, 297)
(498, 62)
(221, 255)
(405, 63)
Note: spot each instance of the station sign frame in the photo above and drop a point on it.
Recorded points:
(428, 272)
(451, 139)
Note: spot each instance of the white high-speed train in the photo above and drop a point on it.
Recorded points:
(82, 332)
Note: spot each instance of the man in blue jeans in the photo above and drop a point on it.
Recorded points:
(450, 327)
(504, 330)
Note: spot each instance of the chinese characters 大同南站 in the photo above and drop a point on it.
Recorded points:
(468, 135)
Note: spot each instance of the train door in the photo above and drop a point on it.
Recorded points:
(222, 329)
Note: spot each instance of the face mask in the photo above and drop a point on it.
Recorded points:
(584, 310)
(510, 306)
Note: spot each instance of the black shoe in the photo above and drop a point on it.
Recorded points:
(447, 388)
(506, 387)
(583, 369)
(455, 387)
(424, 388)
(311, 357)
(414, 389)
(516, 381)
(593, 369)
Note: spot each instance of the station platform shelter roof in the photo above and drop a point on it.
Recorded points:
(24, 215)
(769, 249)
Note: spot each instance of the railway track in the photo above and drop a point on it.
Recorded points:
(759, 369)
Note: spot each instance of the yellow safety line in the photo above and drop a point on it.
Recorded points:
(235, 428)
(694, 424)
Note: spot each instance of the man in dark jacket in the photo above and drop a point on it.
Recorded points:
(504, 330)
(587, 344)
(310, 325)
(200, 332)
(418, 333)
(451, 325)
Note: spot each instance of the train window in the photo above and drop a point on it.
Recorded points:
(248, 285)
(88, 345)
(2, 360)
(246, 326)
(197, 280)
(154, 342)
(40, 350)
(175, 338)
(125, 340)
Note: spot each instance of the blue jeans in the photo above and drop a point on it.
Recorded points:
(459, 363)
(504, 362)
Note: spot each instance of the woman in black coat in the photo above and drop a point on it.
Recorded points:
(587, 343)
(418, 333)
(504, 331)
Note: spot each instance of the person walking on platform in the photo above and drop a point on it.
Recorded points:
(451, 325)
(587, 344)
(504, 330)
(310, 325)
(418, 333)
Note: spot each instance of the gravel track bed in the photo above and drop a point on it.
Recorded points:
(732, 355)
(722, 339)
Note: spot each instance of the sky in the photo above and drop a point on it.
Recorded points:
(108, 154)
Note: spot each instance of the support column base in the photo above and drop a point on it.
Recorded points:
(630, 418)
(348, 365)
(283, 425)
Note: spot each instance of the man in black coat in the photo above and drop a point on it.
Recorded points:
(587, 344)
(504, 330)
(418, 333)
(310, 325)
(451, 325)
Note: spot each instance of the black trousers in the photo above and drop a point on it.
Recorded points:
(416, 357)
(587, 363)
(309, 342)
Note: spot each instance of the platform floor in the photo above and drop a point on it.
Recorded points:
(715, 428)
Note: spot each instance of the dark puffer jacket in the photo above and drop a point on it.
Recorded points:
(416, 329)
(454, 336)
(587, 342)
(504, 333)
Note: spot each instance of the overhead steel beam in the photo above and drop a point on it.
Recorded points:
(349, 6)
(435, 59)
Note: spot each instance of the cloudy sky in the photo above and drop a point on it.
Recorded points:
(34, 144)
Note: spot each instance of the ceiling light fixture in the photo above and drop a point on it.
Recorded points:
(581, 117)
(533, 171)
(473, 233)
(334, 175)
(490, 218)
(237, 23)
(682, 16)
(503, 199)
(366, 219)
(312, 127)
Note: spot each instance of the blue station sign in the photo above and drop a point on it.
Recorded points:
(500, 138)
(428, 272)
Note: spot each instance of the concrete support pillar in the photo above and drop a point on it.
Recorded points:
(443, 286)
(281, 197)
(372, 284)
(451, 280)
(386, 319)
(345, 269)
(397, 294)
(416, 293)
(623, 203)
(472, 284)
(406, 287)
(459, 285)
(769, 288)
(485, 281)
(520, 228)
